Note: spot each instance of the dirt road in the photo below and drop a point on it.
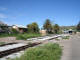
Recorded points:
(71, 49)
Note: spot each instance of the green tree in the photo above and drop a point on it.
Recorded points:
(33, 28)
(56, 28)
(29, 27)
(14, 31)
(78, 27)
(48, 26)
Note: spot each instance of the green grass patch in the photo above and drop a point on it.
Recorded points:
(27, 35)
(57, 39)
(24, 36)
(2, 43)
(7, 35)
(66, 37)
(49, 51)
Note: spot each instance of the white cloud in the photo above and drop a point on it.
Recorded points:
(3, 16)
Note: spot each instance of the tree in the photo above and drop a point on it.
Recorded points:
(29, 27)
(4, 28)
(34, 28)
(14, 31)
(48, 26)
(78, 27)
(56, 28)
(2, 24)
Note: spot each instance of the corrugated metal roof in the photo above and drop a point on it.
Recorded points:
(20, 26)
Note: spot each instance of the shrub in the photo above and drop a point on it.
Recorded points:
(47, 52)
(7, 35)
(27, 35)
(66, 37)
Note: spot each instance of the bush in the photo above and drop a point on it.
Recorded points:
(49, 51)
(27, 35)
(7, 35)
(66, 37)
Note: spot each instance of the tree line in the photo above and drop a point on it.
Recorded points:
(48, 26)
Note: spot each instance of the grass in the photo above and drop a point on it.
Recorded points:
(24, 36)
(49, 51)
(2, 43)
(66, 37)
(27, 35)
(57, 39)
(7, 35)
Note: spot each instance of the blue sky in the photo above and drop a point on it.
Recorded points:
(23, 12)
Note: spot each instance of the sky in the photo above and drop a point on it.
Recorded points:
(23, 12)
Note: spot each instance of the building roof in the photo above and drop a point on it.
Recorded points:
(20, 26)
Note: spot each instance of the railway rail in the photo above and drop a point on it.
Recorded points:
(10, 51)
(7, 44)
(20, 48)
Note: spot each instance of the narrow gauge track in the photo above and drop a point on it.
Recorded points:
(7, 44)
(8, 52)
(14, 50)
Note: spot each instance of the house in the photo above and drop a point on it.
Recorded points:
(43, 32)
(20, 28)
(4, 28)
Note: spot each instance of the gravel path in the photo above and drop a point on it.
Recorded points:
(71, 49)
(67, 50)
(76, 48)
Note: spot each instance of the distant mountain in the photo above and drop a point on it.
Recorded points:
(68, 27)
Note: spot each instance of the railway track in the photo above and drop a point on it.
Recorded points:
(10, 51)
(20, 48)
(7, 44)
